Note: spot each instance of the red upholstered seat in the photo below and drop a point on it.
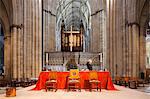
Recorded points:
(51, 83)
(93, 80)
(74, 79)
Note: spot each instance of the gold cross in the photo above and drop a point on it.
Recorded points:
(71, 37)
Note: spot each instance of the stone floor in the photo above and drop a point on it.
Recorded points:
(122, 93)
(143, 89)
(3, 89)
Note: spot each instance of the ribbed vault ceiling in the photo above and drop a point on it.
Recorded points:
(73, 12)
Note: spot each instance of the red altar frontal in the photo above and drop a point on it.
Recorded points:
(104, 77)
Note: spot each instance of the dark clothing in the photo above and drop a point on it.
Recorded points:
(89, 66)
(71, 66)
(142, 75)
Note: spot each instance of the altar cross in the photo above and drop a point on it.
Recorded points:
(71, 37)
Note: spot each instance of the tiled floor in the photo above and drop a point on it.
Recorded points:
(122, 93)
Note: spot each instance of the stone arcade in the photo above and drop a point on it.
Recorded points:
(38, 33)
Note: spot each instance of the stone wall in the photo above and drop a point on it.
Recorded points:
(125, 38)
(117, 30)
(26, 39)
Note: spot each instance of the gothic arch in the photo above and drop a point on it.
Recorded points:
(144, 18)
(82, 12)
(5, 21)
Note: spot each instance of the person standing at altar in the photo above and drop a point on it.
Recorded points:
(89, 66)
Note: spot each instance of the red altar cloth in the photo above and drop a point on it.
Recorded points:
(104, 77)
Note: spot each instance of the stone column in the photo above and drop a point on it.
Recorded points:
(107, 35)
(14, 51)
(142, 50)
(7, 56)
(104, 40)
(21, 53)
(119, 39)
(33, 39)
(25, 40)
(130, 49)
(110, 35)
(18, 52)
(134, 51)
(27, 33)
(137, 54)
(127, 50)
(40, 36)
(30, 38)
(36, 37)
(114, 39)
(124, 62)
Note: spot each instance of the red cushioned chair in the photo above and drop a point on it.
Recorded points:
(93, 81)
(51, 83)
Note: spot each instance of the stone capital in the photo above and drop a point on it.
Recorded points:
(16, 26)
(133, 23)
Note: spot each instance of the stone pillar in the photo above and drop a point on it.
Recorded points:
(33, 39)
(24, 41)
(107, 35)
(127, 51)
(30, 27)
(18, 52)
(119, 39)
(7, 56)
(14, 51)
(142, 50)
(130, 49)
(27, 33)
(110, 36)
(40, 36)
(21, 53)
(134, 51)
(114, 39)
(124, 39)
(37, 38)
(137, 54)
(104, 40)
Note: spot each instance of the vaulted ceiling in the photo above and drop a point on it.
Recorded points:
(9, 8)
(73, 12)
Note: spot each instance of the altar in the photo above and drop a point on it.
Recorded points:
(104, 77)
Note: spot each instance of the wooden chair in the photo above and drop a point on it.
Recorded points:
(51, 83)
(74, 80)
(133, 82)
(93, 80)
(118, 80)
(141, 81)
(125, 81)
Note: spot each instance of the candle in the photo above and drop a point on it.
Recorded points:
(46, 58)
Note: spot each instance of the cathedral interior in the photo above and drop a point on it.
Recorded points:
(38, 34)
